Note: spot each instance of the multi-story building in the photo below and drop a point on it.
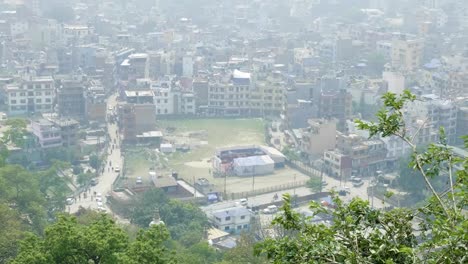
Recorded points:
(48, 135)
(336, 104)
(268, 98)
(31, 96)
(71, 101)
(406, 53)
(428, 115)
(230, 97)
(318, 137)
(134, 119)
(462, 124)
(68, 130)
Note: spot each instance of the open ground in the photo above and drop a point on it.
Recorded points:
(203, 137)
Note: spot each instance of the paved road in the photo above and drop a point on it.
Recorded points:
(107, 178)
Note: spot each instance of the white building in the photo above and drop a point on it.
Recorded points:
(254, 165)
(395, 81)
(169, 100)
(187, 66)
(35, 95)
(232, 220)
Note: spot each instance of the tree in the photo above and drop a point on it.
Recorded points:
(83, 178)
(315, 184)
(149, 248)
(243, 252)
(68, 242)
(11, 228)
(185, 221)
(360, 234)
(94, 161)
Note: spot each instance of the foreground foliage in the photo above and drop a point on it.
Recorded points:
(436, 233)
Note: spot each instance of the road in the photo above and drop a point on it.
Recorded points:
(107, 178)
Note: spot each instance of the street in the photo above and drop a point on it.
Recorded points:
(108, 175)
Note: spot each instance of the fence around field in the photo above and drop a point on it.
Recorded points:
(277, 188)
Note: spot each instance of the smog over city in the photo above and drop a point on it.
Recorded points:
(233, 131)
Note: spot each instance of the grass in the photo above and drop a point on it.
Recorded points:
(220, 133)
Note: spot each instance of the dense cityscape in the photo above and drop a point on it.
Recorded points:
(233, 131)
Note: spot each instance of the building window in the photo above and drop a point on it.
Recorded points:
(30, 93)
(227, 218)
(38, 93)
(23, 101)
(13, 101)
(243, 217)
(38, 100)
(30, 86)
(239, 227)
(47, 100)
(159, 111)
(165, 101)
(226, 228)
(165, 111)
(12, 94)
(47, 93)
(23, 94)
(246, 226)
(158, 101)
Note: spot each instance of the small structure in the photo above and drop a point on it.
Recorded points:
(150, 137)
(167, 148)
(166, 183)
(255, 165)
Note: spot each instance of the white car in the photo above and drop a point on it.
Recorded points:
(110, 108)
(70, 201)
(99, 199)
(117, 169)
(102, 209)
(139, 180)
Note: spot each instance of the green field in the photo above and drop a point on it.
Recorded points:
(219, 133)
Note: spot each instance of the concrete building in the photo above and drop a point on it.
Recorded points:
(318, 137)
(395, 81)
(336, 104)
(431, 113)
(68, 130)
(31, 96)
(47, 134)
(134, 119)
(232, 220)
(406, 53)
(71, 101)
(231, 97)
(462, 124)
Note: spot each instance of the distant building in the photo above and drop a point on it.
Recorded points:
(71, 101)
(406, 52)
(318, 137)
(30, 96)
(134, 119)
(48, 135)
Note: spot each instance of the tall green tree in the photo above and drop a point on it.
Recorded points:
(149, 248)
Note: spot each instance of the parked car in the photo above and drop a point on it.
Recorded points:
(117, 169)
(139, 181)
(243, 202)
(358, 184)
(94, 181)
(270, 209)
(70, 201)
